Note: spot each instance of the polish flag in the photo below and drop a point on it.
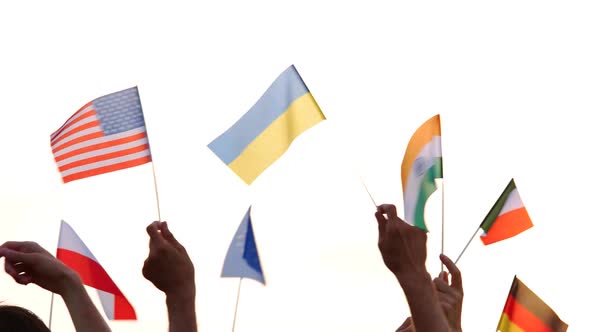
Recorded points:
(74, 253)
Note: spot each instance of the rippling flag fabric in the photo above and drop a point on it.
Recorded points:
(242, 258)
(74, 254)
(422, 164)
(524, 311)
(106, 135)
(265, 132)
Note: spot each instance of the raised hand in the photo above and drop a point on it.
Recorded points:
(450, 295)
(168, 265)
(28, 262)
(402, 246)
(171, 270)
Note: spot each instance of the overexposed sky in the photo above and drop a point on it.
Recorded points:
(509, 78)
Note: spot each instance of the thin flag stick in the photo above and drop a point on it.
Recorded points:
(237, 302)
(442, 241)
(153, 171)
(472, 237)
(367, 189)
(156, 188)
(51, 311)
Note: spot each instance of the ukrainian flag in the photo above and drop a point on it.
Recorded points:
(266, 131)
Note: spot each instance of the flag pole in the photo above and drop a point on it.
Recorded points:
(156, 188)
(153, 167)
(367, 189)
(468, 243)
(51, 311)
(442, 242)
(442, 184)
(237, 302)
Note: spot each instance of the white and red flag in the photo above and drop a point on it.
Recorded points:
(74, 253)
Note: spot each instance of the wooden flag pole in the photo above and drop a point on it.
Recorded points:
(237, 302)
(51, 311)
(468, 243)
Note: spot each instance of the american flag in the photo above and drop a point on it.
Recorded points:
(106, 135)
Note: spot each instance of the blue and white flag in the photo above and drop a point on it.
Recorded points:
(242, 256)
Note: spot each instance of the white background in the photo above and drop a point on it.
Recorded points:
(509, 78)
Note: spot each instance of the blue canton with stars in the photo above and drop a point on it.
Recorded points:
(120, 111)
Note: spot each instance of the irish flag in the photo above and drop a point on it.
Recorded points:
(421, 165)
(74, 253)
(507, 218)
(524, 311)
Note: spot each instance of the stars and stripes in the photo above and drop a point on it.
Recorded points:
(107, 134)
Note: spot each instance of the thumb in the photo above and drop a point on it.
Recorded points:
(153, 230)
(168, 234)
(381, 222)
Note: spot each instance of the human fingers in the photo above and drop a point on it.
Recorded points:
(23, 279)
(381, 222)
(15, 256)
(444, 275)
(10, 269)
(22, 246)
(169, 236)
(442, 286)
(389, 209)
(457, 280)
(20, 267)
(154, 233)
(407, 326)
(446, 307)
(17, 271)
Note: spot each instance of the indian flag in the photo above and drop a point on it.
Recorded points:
(507, 218)
(422, 164)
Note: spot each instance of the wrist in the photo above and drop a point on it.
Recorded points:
(415, 282)
(413, 277)
(68, 282)
(71, 286)
(181, 295)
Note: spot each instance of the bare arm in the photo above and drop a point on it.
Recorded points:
(28, 262)
(450, 297)
(403, 248)
(423, 302)
(84, 314)
(171, 270)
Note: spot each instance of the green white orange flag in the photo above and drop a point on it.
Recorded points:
(422, 164)
(507, 218)
(524, 311)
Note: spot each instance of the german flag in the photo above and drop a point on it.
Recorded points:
(526, 312)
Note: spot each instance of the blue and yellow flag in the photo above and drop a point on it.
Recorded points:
(242, 256)
(266, 131)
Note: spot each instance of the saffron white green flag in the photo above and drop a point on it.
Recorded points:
(422, 164)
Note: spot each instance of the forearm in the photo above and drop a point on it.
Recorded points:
(427, 315)
(85, 316)
(182, 315)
